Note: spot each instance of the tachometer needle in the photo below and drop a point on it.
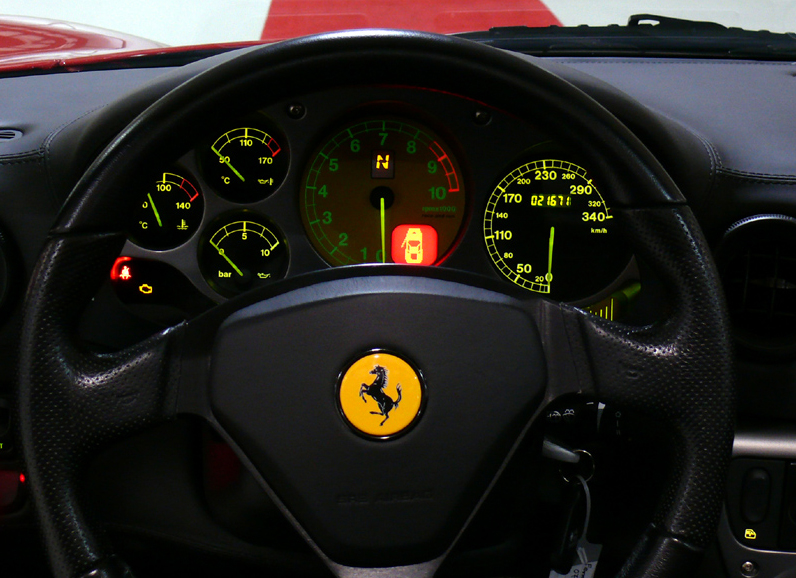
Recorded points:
(227, 259)
(152, 204)
(226, 162)
(383, 244)
(549, 276)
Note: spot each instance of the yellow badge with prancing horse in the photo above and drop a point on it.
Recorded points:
(380, 394)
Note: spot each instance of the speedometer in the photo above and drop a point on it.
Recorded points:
(548, 229)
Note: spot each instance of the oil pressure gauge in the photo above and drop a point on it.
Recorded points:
(240, 251)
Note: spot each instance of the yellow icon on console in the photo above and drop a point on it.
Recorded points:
(381, 394)
(750, 534)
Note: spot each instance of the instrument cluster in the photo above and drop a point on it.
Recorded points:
(370, 175)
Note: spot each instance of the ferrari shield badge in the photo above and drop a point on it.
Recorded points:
(381, 395)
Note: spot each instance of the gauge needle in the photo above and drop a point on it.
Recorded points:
(383, 245)
(549, 276)
(152, 204)
(226, 162)
(228, 260)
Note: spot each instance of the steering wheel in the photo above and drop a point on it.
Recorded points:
(275, 402)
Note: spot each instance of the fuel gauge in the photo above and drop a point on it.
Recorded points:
(241, 251)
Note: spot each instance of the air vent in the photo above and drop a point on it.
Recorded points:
(757, 262)
(7, 134)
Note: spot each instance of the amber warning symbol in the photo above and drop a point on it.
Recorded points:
(414, 244)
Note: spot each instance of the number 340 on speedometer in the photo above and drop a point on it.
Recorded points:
(548, 229)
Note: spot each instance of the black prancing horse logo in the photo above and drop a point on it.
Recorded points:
(376, 391)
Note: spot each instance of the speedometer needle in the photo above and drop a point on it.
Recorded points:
(549, 276)
(228, 260)
(152, 204)
(225, 160)
(383, 246)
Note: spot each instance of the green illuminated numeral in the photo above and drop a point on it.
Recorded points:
(343, 237)
(432, 167)
(327, 217)
(540, 278)
(411, 147)
(322, 192)
(355, 146)
(333, 165)
(383, 136)
(438, 193)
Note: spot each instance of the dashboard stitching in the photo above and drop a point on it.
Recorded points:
(22, 158)
(46, 146)
(677, 61)
(759, 178)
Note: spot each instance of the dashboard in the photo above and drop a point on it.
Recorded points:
(368, 175)
(351, 178)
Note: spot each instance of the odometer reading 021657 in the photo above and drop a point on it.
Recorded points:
(383, 191)
(548, 229)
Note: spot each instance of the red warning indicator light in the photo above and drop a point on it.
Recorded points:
(414, 244)
(21, 478)
(121, 270)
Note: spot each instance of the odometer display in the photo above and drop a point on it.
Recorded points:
(548, 229)
(383, 191)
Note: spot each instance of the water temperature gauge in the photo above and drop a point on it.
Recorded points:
(241, 251)
(168, 213)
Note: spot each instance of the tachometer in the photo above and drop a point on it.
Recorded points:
(548, 229)
(383, 191)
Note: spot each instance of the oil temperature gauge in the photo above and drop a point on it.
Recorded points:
(246, 163)
(240, 251)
